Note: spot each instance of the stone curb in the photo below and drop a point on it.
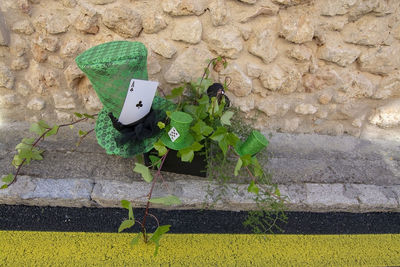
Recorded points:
(194, 195)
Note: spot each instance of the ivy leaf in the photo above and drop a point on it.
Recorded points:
(176, 92)
(144, 171)
(135, 240)
(28, 141)
(125, 225)
(223, 144)
(8, 178)
(88, 116)
(155, 160)
(238, 166)
(258, 170)
(187, 154)
(25, 154)
(253, 188)
(79, 115)
(168, 200)
(17, 160)
(53, 131)
(4, 186)
(277, 192)
(128, 205)
(162, 229)
(219, 134)
(37, 154)
(36, 128)
(246, 159)
(43, 124)
(160, 147)
(82, 133)
(23, 146)
(161, 125)
(232, 139)
(226, 117)
(202, 128)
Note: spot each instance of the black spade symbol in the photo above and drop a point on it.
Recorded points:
(139, 105)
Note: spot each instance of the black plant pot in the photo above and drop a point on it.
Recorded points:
(172, 163)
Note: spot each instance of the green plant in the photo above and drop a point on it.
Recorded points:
(217, 130)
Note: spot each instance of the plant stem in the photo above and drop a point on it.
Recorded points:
(41, 137)
(146, 212)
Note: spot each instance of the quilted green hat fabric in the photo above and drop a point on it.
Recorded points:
(110, 68)
(253, 144)
(178, 136)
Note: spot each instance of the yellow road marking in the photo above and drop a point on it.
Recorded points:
(21, 248)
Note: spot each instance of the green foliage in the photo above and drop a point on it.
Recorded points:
(155, 238)
(160, 147)
(144, 171)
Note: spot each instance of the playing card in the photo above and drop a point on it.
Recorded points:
(138, 100)
(173, 134)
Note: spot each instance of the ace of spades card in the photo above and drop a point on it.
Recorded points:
(138, 100)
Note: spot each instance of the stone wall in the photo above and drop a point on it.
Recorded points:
(301, 66)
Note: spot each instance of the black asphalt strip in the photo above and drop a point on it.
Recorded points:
(29, 218)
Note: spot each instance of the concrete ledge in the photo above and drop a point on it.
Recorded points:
(195, 195)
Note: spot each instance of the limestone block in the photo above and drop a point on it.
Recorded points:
(72, 47)
(8, 100)
(73, 75)
(69, 3)
(281, 76)
(245, 104)
(163, 47)
(153, 22)
(123, 20)
(267, 9)
(219, 12)
(184, 7)
(380, 60)
(338, 52)
(4, 32)
(186, 66)
(335, 23)
(63, 116)
(321, 79)
(389, 86)
(273, 105)
(19, 63)
(263, 46)
(47, 42)
(187, 29)
(337, 7)
(248, 1)
(330, 128)
(87, 21)
(241, 84)
(325, 98)
(6, 77)
(38, 53)
(253, 70)
(297, 25)
(305, 109)
(225, 41)
(153, 66)
(23, 89)
(63, 100)
(36, 104)
(368, 30)
(355, 84)
(101, 2)
(377, 7)
(387, 115)
(300, 53)
(52, 23)
(55, 61)
(51, 78)
(291, 2)
(23, 27)
(19, 47)
(92, 102)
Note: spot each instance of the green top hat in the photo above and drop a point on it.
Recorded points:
(110, 67)
(178, 137)
(253, 144)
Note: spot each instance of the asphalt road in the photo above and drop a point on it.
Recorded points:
(31, 218)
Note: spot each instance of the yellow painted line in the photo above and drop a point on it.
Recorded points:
(107, 249)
